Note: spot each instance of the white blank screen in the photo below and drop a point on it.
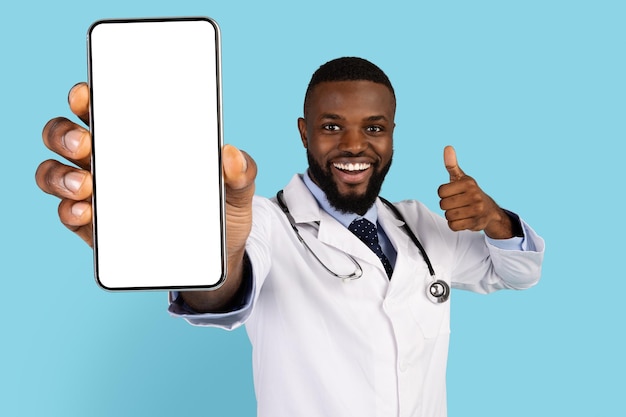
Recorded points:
(156, 133)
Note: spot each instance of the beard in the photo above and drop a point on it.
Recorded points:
(351, 202)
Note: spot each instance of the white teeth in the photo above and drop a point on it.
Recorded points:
(352, 167)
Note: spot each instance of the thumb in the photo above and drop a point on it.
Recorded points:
(449, 159)
(238, 167)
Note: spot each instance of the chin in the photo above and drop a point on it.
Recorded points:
(348, 198)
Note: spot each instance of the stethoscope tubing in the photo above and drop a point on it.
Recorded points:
(438, 291)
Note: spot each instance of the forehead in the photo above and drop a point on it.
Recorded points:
(339, 97)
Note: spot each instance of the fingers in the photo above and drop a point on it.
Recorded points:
(64, 181)
(460, 194)
(78, 99)
(476, 216)
(463, 202)
(450, 161)
(76, 216)
(469, 217)
(68, 140)
(65, 137)
(74, 187)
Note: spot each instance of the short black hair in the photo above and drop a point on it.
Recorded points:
(348, 69)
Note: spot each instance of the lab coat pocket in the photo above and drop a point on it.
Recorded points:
(432, 318)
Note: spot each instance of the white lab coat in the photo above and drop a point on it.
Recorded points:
(323, 346)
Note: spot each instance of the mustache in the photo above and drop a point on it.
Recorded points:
(348, 154)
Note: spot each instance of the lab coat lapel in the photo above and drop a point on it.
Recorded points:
(304, 209)
(333, 233)
(409, 267)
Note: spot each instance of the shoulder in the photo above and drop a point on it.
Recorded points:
(263, 207)
(412, 208)
(418, 216)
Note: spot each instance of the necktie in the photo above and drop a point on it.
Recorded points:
(366, 231)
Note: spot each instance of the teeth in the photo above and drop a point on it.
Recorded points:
(352, 167)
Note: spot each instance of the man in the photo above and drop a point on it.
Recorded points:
(322, 346)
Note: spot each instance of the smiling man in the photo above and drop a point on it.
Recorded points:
(338, 297)
(347, 131)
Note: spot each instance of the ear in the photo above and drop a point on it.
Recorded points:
(302, 129)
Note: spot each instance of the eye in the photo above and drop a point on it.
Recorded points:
(374, 129)
(331, 127)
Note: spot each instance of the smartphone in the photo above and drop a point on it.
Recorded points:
(156, 126)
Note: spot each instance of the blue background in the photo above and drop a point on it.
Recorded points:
(531, 93)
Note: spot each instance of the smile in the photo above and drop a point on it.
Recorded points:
(352, 167)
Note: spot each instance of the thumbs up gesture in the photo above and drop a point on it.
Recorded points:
(467, 207)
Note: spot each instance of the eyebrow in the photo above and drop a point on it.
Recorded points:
(333, 116)
(376, 118)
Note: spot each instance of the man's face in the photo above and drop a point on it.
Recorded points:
(347, 130)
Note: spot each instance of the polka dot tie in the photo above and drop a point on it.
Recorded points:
(366, 231)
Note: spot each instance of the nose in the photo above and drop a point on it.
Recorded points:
(353, 141)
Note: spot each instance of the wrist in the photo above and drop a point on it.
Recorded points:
(500, 227)
(506, 226)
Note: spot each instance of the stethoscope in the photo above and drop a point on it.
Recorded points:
(437, 290)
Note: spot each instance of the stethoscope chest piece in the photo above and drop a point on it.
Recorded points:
(438, 291)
